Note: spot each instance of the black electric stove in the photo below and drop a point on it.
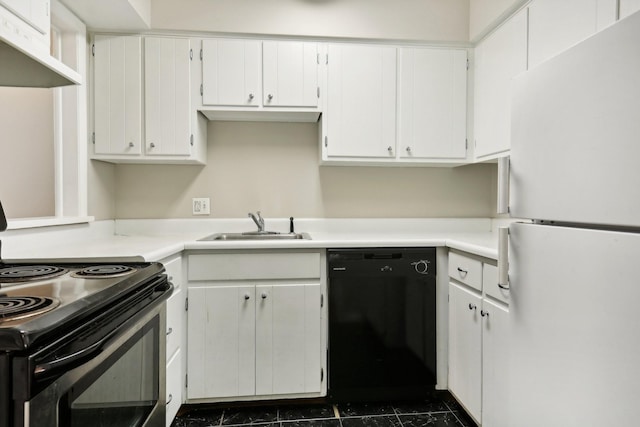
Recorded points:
(81, 341)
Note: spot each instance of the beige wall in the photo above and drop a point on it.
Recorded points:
(424, 20)
(273, 167)
(26, 152)
(101, 199)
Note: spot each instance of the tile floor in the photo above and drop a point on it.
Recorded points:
(441, 410)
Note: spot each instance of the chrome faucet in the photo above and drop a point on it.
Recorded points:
(259, 221)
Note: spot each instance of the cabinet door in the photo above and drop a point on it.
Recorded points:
(173, 387)
(231, 72)
(465, 348)
(361, 101)
(498, 59)
(167, 98)
(288, 355)
(39, 15)
(290, 73)
(432, 104)
(627, 7)
(118, 95)
(555, 25)
(221, 342)
(495, 357)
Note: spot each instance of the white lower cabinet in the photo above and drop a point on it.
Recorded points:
(478, 346)
(254, 338)
(174, 386)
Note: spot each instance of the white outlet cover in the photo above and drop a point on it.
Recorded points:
(201, 206)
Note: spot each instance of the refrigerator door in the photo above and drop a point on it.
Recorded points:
(574, 327)
(576, 133)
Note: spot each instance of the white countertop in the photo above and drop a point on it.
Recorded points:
(154, 240)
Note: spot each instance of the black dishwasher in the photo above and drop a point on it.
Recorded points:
(382, 323)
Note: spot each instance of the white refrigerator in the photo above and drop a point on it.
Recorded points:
(574, 264)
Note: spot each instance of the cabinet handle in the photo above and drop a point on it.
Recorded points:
(269, 97)
(390, 150)
(250, 97)
(170, 398)
(472, 306)
(131, 144)
(409, 150)
(152, 145)
(246, 296)
(264, 295)
(464, 272)
(484, 313)
(169, 331)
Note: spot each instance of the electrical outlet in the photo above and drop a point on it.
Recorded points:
(201, 205)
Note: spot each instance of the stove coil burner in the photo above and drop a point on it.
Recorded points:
(14, 308)
(104, 271)
(25, 273)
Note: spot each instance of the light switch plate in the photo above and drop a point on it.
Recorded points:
(201, 206)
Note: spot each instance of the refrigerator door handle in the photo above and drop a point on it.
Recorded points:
(503, 185)
(503, 257)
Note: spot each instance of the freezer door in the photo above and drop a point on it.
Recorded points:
(574, 327)
(576, 133)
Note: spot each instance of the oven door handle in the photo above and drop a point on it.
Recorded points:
(73, 360)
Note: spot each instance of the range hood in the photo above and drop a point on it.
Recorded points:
(23, 66)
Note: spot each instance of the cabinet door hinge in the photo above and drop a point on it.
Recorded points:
(186, 380)
(93, 50)
(321, 300)
(190, 54)
(93, 138)
(191, 140)
(326, 61)
(467, 63)
(466, 144)
(186, 304)
(318, 58)
(326, 141)
(200, 54)
(321, 374)
(201, 89)
(318, 91)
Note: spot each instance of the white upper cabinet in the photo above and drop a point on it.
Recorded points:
(118, 95)
(167, 96)
(432, 103)
(498, 59)
(555, 25)
(360, 111)
(231, 72)
(290, 74)
(34, 12)
(627, 7)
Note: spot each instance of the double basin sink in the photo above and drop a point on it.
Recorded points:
(255, 235)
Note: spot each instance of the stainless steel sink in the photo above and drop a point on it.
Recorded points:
(267, 235)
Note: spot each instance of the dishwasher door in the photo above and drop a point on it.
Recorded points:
(382, 323)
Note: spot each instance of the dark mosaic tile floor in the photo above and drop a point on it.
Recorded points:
(439, 411)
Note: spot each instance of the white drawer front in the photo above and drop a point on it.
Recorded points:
(173, 269)
(174, 387)
(466, 270)
(490, 283)
(255, 266)
(175, 306)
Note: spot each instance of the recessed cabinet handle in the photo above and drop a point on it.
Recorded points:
(472, 306)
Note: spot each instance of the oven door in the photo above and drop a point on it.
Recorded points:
(118, 380)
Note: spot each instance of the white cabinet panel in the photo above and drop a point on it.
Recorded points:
(167, 96)
(174, 386)
(290, 74)
(498, 59)
(175, 308)
(118, 95)
(432, 103)
(555, 25)
(221, 356)
(495, 365)
(287, 339)
(627, 7)
(465, 348)
(361, 101)
(231, 72)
